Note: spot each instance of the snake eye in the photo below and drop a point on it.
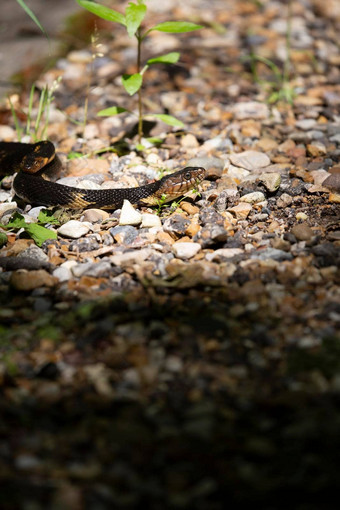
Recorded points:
(187, 176)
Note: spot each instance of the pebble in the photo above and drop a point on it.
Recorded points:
(332, 182)
(150, 220)
(129, 215)
(253, 198)
(305, 124)
(301, 216)
(284, 200)
(271, 181)
(131, 257)
(207, 162)
(95, 215)
(4, 196)
(236, 173)
(28, 280)
(95, 269)
(176, 224)
(74, 229)
(185, 250)
(334, 198)
(302, 232)
(7, 206)
(241, 210)
(124, 234)
(271, 253)
(189, 141)
(227, 253)
(250, 160)
(250, 110)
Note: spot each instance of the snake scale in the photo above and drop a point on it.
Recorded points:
(35, 163)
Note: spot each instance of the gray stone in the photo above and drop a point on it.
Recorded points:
(271, 253)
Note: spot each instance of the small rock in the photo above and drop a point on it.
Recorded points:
(301, 216)
(129, 215)
(176, 224)
(224, 253)
(29, 280)
(250, 110)
(271, 181)
(267, 144)
(63, 274)
(124, 234)
(316, 149)
(7, 206)
(334, 198)
(332, 182)
(189, 141)
(250, 160)
(253, 198)
(284, 200)
(271, 253)
(74, 229)
(302, 232)
(207, 162)
(95, 215)
(185, 250)
(4, 196)
(241, 210)
(131, 257)
(305, 124)
(151, 220)
(95, 269)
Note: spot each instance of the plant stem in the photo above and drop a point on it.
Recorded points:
(287, 62)
(140, 106)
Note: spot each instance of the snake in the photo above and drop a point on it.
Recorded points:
(35, 163)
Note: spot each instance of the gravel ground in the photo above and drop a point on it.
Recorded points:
(186, 355)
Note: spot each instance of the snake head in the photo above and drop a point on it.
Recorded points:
(181, 182)
(40, 155)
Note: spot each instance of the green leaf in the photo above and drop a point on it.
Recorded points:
(39, 234)
(103, 12)
(3, 239)
(167, 119)
(74, 155)
(17, 221)
(132, 82)
(176, 27)
(32, 16)
(134, 15)
(113, 110)
(46, 216)
(169, 58)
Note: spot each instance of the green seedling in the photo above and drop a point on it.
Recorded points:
(132, 83)
(37, 231)
(163, 202)
(37, 128)
(280, 89)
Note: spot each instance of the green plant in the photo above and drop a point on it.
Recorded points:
(36, 129)
(32, 16)
(134, 15)
(36, 231)
(280, 89)
(162, 202)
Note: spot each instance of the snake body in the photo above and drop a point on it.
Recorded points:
(33, 162)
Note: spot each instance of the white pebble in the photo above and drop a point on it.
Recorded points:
(129, 215)
(74, 229)
(253, 198)
(150, 220)
(250, 160)
(185, 250)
